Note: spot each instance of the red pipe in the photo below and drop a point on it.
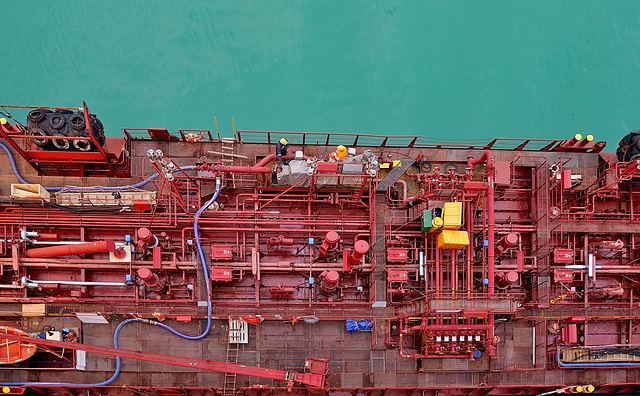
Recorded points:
(260, 167)
(404, 190)
(70, 250)
(217, 168)
(47, 236)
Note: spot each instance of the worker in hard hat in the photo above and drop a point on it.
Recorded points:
(339, 154)
(281, 149)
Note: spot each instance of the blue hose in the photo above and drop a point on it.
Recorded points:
(13, 163)
(116, 333)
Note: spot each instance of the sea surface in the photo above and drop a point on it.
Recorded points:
(544, 69)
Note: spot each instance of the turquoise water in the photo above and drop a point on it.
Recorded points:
(444, 69)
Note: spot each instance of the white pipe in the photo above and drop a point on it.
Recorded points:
(34, 283)
(533, 345)
(421, 260)
(591, 266)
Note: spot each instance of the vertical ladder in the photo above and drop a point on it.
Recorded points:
(238, 334)
(230, 378)
(228, 147)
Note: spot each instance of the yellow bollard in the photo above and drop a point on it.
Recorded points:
(234, 128)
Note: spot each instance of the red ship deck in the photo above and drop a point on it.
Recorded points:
(528, 286)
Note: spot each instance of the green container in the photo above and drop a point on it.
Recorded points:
(427, 221)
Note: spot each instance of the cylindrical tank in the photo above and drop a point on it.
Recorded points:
(146, 236)
(508, 241)
(329, 282)
(614, 245)
(48, 236)
(152, 280)
(359, 250)
(504, 280)
(280, 240)
(70, 250)
(329, 244)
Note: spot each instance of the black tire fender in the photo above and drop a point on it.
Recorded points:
(61, 144)
(36, 115)
(39, 132)
(77, 122)
(57, 121)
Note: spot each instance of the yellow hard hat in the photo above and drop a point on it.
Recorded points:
(341, 149)
(284, 141)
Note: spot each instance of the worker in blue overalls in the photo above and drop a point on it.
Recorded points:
(281, 149)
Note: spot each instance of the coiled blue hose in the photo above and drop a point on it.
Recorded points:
(164, 326)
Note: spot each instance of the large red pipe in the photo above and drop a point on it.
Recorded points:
(260, 167)
(70, 250)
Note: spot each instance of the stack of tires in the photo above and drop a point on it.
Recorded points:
(63, 123)
(629, 147)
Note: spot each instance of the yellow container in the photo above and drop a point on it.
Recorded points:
(448, 239)
(452, 215)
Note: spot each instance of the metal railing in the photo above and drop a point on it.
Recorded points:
(365, 140)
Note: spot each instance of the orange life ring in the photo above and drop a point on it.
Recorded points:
(192, 137)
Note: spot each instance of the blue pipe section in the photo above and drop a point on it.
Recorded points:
(116, 333)
(13, 163)
(592, 365)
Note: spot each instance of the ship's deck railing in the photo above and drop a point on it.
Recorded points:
(348, 139)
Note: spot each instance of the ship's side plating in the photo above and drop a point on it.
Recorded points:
(414, 265)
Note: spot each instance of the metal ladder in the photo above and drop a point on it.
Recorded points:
(230, 378)
(228, 147)
(395, 174)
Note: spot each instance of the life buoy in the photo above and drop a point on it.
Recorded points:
(192, 137)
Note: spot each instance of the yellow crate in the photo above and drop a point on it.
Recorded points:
(452, 215)
(448, 239)
(33, 309)
(29, 191)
